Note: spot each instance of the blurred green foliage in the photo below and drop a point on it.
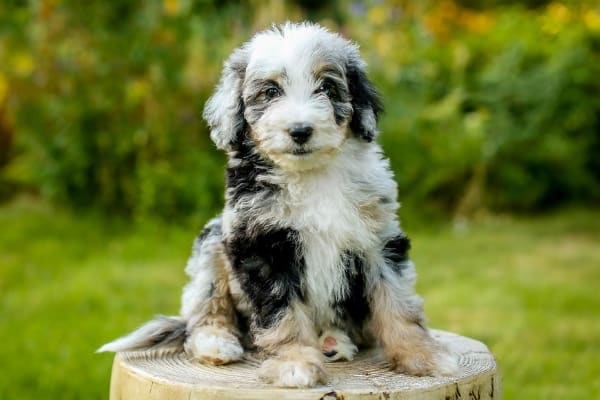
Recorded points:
(489, 104)
(494, 108)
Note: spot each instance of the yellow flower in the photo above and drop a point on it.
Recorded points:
(441, 20)
(377, 15)
(555, 18)
(385, 43)
(478, 22)
(136, 90)
(22, 64)
(559, 13)
(171, 7)
(592, 20)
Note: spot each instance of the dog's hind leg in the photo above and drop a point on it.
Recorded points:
(398, 322)
(213, 335)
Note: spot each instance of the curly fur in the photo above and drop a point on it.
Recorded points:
(308, 255)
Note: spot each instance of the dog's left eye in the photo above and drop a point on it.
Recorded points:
(327, 88)
(272, 92)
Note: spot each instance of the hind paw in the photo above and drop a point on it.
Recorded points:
(336, 345)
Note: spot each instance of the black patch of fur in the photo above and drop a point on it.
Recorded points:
(339, 114)
(354, 308)
(242, 178)
(364, 97)
(341, 111)
(269, 267)
(395, 252)
(241, 125)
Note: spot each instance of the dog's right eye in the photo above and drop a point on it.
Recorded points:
(272, 92)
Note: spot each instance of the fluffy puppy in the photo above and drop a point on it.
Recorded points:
(307, 260)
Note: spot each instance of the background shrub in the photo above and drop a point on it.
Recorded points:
(490, 108)
(489, 104)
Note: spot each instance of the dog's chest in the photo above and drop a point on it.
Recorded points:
(330, 207)
(328, 214)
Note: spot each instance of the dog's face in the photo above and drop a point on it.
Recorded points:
(298, 92)
(296, 98)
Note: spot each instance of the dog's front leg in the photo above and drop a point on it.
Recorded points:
(398, 322)
(291, 344)
(268, 265)
(207, 306)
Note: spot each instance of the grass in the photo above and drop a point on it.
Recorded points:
(528, 287)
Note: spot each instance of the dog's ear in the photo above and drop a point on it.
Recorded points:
(366, 102)
(224, 110)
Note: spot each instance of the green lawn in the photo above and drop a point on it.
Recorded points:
(528, 287)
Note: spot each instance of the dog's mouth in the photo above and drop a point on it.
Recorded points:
(300, 151)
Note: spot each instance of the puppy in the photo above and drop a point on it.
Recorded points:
(307, 260)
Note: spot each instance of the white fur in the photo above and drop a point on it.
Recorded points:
(295, 50)
(200, 267)
(288, 373)
(447, 363)
(214, 345)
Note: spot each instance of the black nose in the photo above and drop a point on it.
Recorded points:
(300, 133)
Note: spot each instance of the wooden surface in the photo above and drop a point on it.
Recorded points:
(173, 376)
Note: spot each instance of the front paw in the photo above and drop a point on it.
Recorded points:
(299, 368)
(214, 345)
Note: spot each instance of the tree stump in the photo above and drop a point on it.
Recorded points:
(173, 376)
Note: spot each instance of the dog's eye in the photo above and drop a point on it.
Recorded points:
(272, 92)
(327, 88)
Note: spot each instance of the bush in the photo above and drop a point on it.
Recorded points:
(487, 107)
(109, 113)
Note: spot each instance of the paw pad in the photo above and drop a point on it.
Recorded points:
(336, 345)
(328, 347)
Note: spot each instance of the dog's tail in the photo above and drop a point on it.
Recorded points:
(160, 333)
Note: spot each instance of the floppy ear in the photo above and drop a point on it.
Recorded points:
(366, 103)
(224, 110)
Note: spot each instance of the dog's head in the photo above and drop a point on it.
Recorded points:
(298, 92)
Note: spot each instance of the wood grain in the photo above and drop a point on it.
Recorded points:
(173, 376)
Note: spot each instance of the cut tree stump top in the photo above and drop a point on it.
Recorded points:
(173, 376)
